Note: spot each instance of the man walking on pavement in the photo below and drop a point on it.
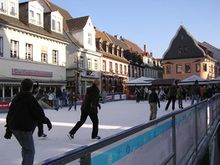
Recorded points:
(89, 108)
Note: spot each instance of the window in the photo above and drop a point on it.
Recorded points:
(168, 69)
(81, 65)
(179, 68)
(89, 63)
(12, 9)
(89, 38)
(125, 69)
(96, 64)
(44, 57)
(2, 7)
(120, 68)
(55, 56)
(58, 26)
(110, 67)
(53, 24)
(104, 65)
(38, 18)
(29, 52)
(116, 68)
(198, 68)
(31, 14)
(1, 46)
(187, 68)
(14, 49)
(205, 67)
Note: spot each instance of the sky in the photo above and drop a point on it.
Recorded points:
(151, 22)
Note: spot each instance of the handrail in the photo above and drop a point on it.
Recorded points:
(87, 149)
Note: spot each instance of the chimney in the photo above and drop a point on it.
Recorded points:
(145, 49)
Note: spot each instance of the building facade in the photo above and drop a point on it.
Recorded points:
(30, 47)
(114, 67)
(186, 57)
(83, 62)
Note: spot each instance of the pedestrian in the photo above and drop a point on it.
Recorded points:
(153, 101)
(171, 96)
(72, 98)
(58, 99)
(64, 98)
(39, 96)
(23, 115)
(179, 96)
(138, 95)
(195, 92)
(89, 108)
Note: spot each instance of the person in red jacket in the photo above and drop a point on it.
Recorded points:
(23, 116)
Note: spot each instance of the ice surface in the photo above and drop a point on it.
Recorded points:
(113, 118)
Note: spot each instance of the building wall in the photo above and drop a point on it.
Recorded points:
(38, 43)
(124, 72)
(208, 74)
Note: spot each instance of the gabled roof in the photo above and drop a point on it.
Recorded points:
(183, 46)
(102, 35)
(62, 11)
(77, 23)
(7, 20)
(213, 49)
(132, 46)
(66, 15)
(117, 42)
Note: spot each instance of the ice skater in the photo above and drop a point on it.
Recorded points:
(153, 101)
(23, 115)
(89, 108)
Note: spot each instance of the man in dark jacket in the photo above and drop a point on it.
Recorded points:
(172, 96)
(153, 101)
(23, 115)
(89, 108)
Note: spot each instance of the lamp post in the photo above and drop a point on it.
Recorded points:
(77, 72)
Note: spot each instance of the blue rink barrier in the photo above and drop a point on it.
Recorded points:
(177, 138)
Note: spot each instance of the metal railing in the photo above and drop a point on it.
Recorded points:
(176, 138)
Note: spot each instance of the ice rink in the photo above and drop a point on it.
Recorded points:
(113, 118)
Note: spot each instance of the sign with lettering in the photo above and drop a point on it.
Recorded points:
(4, 105)
(36, 73)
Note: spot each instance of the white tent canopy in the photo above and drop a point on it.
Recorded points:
(191, 80)
(142, 81)
(215, 81)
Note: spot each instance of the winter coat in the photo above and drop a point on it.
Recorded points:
(24, 113)
(153, 98)
(91, 101)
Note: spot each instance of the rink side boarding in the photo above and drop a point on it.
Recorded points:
(179, 138)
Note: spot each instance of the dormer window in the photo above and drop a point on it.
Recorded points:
(35, 14)
(56, 22)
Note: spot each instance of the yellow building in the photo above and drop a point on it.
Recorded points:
(186, 57)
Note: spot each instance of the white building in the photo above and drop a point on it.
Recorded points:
(84, 59)
(32, 45)
(83, 62)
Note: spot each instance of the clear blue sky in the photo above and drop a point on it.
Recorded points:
(151, 22)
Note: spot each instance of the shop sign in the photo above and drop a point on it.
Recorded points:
(36, 73)
(4, 105)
